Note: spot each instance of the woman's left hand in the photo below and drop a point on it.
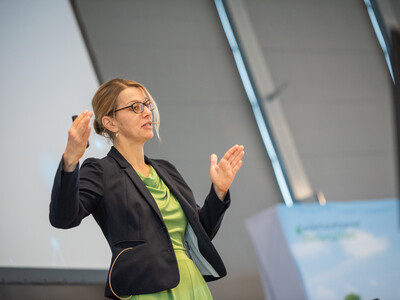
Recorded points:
(223, 173)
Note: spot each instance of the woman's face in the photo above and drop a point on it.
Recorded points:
(133, 126)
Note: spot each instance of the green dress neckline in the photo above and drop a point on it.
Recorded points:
(171, 211)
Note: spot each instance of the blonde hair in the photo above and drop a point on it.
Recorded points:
(104, 103)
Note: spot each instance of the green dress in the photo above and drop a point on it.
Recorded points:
(192, 285)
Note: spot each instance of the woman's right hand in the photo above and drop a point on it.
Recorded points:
(78, 136)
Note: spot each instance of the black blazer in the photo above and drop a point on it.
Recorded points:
(110, 190)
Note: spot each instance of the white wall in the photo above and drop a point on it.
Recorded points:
(45, 77)
(338, 98)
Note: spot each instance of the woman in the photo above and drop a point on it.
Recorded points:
(159, 238)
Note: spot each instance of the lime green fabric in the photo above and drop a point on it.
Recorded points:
(192, 285)
(171, 211)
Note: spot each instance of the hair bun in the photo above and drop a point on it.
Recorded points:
(98, 127)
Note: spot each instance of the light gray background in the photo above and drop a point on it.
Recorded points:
(45, 78)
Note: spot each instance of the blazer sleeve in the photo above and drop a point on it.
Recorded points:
(212, 212)
(75, 194)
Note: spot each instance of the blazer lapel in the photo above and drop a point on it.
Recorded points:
(136, 180)
(163, 173)
(143, 190)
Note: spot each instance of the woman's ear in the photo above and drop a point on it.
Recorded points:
(109, 124)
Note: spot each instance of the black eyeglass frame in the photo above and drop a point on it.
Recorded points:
(146, 103)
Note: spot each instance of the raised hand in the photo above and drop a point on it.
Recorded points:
(78, 136)
(223, 173)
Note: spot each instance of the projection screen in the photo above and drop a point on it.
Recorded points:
(46, 77)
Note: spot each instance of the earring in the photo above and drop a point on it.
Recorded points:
(116, 134)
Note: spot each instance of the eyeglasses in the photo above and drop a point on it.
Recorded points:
(138, 107)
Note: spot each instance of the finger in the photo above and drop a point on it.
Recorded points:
(237, 167)
(83, 125)
(87, 134)
(80, 136)
(233, 155)
(76, 127)
(229, 153)
(79, 118)
(233, 165)
(237, 157)
(236, 152)
(214, 160)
